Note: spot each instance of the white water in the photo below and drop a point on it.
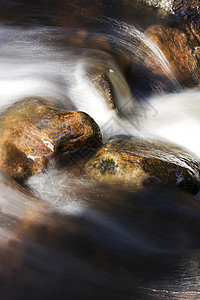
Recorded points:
(127, 38)
(31, 67)
(177, 119)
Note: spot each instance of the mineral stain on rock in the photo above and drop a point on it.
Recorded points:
(33, 131)
(135, 162)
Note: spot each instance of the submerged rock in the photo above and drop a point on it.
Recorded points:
(32, 132)
(135, 162)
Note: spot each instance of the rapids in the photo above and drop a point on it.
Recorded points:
(63, 237)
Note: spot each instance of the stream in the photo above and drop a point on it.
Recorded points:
(63, 236)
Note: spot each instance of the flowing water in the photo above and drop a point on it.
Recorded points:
(63, 237)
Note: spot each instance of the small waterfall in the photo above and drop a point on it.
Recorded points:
(128, 37)
(30, 67)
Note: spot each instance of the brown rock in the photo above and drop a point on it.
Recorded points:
(103, 84)
(189, 10)
(32, 132)
(132, 163)
(181, 50)
(180, 43)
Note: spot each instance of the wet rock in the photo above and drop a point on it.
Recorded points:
(181, 50)
(103, 84)
(107, 79)
(189, 10)
(32, 132)
(179, 42)
(135, 162)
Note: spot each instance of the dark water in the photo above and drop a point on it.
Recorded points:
(63, 237)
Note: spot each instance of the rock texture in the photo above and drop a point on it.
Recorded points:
(181, 51)
(135, 162)
(180, 43)
(103, 85)
(32, 132)
(189, 10)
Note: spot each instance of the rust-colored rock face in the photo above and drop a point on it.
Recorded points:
(189, 11)
(180, 43)
(181, 51)
(135, 162)
(32, 132)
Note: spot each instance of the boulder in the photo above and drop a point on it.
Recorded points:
(33, 131)
(136, 162)
(179, 41)
(180, 49)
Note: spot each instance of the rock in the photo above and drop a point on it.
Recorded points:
(181, 51)
(135, 162)
(189, 10)
(179, 42)
(103, 85)
(32, 132)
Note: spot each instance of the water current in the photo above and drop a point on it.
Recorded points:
(62, 236)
